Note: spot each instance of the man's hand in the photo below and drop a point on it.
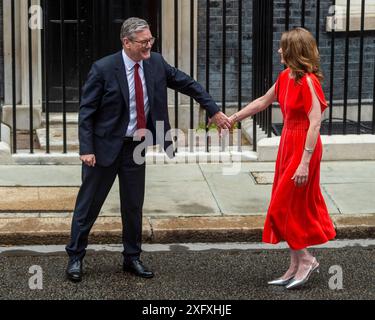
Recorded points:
(221, 120)
(88, 159)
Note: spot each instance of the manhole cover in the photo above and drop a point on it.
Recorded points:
(263, 177)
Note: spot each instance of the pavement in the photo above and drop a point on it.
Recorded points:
(191, 202)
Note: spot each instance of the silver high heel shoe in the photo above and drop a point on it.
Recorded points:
(280, 282)
(296, 283)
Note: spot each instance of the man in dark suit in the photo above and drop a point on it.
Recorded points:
(124, 98)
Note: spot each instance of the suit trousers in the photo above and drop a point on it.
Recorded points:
(96, 183)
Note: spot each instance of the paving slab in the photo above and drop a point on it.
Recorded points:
(38, 176)
(347, 172)
(18, 199)
(70, 175)
(239, 195)
(111, 206)
(229, 190)
(354, 198)
(166, 198)
(175, 178)
(174, 172)
(176, 198)
(242, 167)
(332, 207)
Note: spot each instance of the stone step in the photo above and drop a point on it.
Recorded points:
(56, 138)
(57, 119)
(153, 156)
(185, 140)
(335, 148)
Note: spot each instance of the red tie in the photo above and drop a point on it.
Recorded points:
(139, 101)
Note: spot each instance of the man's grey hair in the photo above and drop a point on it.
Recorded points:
(131, 26)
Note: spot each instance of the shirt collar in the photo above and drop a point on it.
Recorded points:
(129, 63)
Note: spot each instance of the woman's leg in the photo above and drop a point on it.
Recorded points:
(289, 274)
(293, 267)
(306, 262)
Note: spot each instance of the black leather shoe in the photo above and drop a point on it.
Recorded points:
(137, 267)
(74, 270)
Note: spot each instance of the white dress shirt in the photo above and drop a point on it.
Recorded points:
(129, 68)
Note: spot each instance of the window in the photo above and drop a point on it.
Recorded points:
(337, 18)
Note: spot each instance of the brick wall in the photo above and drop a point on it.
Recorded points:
(216, 27)
(279, 27)
(325, 49)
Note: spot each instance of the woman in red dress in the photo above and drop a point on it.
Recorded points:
(297, 212)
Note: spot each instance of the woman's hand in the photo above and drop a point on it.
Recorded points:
(301, 175)
(233, 119)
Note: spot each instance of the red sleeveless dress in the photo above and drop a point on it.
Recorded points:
(297, 215)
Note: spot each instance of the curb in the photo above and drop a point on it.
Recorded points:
(108, 230)
(354, 226)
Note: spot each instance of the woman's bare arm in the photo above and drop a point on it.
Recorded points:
(315, 116)
(255, 106)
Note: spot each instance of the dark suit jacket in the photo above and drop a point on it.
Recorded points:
(104, 109)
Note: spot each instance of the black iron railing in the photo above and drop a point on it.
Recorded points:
(262, 61)
(266, 26)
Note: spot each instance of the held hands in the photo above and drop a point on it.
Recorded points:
(88, 159)
(301, 175)
(221, 120)
(233, 119)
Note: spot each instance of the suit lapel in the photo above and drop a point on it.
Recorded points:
(147, 69)
(122, 78)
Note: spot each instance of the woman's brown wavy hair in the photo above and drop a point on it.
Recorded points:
(301, 53)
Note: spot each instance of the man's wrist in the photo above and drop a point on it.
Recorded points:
(215, 114)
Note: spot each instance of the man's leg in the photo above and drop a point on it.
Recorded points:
(132, 190)
(96, 184)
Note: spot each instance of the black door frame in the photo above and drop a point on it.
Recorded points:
(96, 33)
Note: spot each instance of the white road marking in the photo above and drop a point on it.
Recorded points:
(191, 246)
